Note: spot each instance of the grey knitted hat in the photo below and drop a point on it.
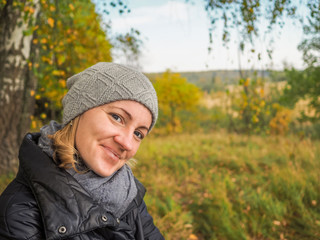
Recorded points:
(104, 83)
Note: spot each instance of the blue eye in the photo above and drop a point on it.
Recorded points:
(116, 117)
(139, 134)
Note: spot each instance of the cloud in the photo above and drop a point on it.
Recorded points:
(172, 12)
(175, 36)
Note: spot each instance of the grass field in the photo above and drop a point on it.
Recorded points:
(229, 186)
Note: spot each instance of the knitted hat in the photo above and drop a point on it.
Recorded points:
(104, 83)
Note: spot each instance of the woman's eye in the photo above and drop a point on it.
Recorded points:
(139, 134)
(116, 117)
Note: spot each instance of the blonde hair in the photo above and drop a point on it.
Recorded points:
(65, 153)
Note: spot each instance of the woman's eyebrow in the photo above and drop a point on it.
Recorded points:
(144, 127)
(125, 111)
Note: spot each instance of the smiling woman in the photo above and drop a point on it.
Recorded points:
(110, 135)
(73, 181)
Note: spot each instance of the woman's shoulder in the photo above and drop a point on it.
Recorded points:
(19, 213)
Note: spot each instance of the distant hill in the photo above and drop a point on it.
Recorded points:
(216, 80)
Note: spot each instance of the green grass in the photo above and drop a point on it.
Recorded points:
(229, 186)
(5, 180)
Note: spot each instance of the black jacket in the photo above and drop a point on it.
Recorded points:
(45, 202)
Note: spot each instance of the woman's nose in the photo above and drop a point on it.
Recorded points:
(125, 140)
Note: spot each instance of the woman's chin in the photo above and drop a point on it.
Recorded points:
(106, 173)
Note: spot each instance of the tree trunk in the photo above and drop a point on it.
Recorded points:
(16, 78)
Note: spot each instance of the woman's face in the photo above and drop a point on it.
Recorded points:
(109, 135)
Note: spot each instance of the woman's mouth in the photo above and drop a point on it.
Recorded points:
(111, 153)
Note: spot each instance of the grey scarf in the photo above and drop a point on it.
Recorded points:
(115, 192)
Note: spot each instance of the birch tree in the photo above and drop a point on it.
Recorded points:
(17, 22)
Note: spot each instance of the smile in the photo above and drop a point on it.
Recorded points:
(111, 153)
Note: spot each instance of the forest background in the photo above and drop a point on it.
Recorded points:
(234, 154)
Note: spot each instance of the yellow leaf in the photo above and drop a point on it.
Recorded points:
(188, 225)
(44, 59)
(56, 73)
(277, 223)
(192, 237)
(37, 97)
(31, 10)
(44, 40)
(246, 83)
(250, 28)
(32, 92)
(71, 7)
(33, 124)
(62, 83)
(43, 115)
(51, 22)
(52, 8)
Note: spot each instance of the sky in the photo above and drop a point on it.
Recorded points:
(175, 36)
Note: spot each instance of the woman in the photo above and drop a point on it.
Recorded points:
(74, 181)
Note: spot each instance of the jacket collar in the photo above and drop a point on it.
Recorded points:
(63, 203)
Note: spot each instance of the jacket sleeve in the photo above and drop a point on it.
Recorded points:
(150, 231)
(19, 215)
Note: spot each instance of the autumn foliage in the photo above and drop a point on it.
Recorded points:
(66, 44)
(175, 94)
